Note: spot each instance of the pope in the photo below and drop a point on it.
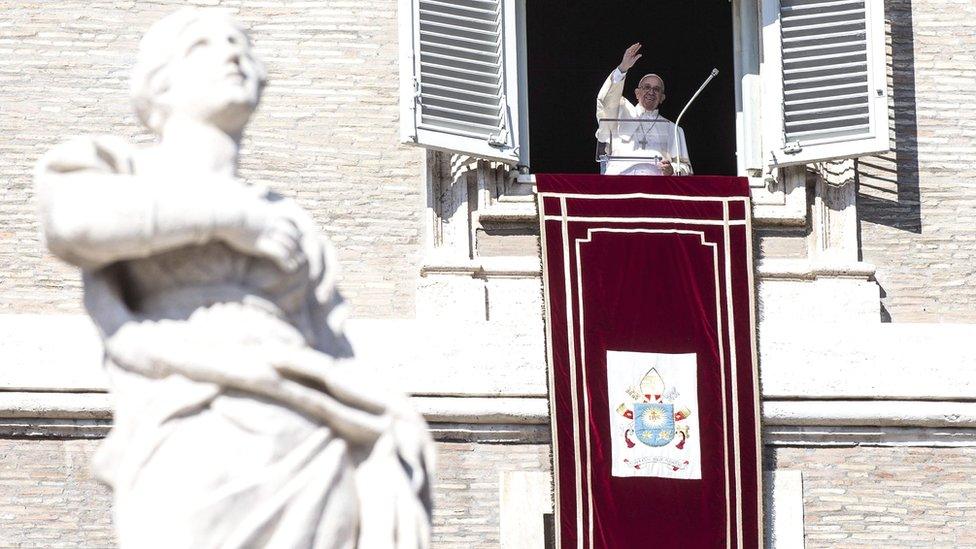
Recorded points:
(643, 143)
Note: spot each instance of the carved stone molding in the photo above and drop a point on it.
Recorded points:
(779, 197)
(462, 193)
(833, 235)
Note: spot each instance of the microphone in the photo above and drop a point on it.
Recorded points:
(711, 75)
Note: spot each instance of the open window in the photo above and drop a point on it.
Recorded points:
(823, 80)
(572, 47)
(471, 69)
(460, 75)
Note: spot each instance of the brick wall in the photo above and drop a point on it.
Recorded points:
(325, 134)
(885, 497)
(48, 497)
(917, 204)
(853, 497)
(467, 490)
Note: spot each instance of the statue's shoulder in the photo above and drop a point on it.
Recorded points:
(93, 153)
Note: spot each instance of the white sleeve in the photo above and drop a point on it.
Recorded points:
(683, 164)
(608, 105)
(617, 76)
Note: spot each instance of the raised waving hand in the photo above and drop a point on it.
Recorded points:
(630, 57)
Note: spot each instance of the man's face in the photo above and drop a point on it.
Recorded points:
(650, 92)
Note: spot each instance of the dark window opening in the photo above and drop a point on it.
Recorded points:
(573, 47)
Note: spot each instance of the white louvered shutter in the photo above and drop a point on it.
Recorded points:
(459, 85)
(831, 98)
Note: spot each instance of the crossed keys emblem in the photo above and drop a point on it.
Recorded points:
(650, 407)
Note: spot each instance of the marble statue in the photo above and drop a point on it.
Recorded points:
(240, 419)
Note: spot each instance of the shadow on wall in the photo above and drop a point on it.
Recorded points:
(885, 314)
(887, 184)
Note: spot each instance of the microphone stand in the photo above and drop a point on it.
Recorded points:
(678, 121)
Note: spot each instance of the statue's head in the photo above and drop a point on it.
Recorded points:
(199, 64)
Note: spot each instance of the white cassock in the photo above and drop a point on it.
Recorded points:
(649, 136)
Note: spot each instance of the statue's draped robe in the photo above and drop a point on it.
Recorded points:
(650, 135)
(197, 463)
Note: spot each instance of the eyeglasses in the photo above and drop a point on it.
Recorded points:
(656, 89)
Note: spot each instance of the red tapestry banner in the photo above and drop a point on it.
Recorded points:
(653, 385)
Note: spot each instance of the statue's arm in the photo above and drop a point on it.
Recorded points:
(92, 215)
(302, 379)
(93, 219)
(197, 349)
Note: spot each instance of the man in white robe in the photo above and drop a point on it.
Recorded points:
(646, 145)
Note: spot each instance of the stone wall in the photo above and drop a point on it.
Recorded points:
(853, 497)
(917, 204)
(885, 497)
(325, 134)
(466, 512)
(48, 497)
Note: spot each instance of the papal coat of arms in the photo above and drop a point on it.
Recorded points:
(654, 423)
(654, 400)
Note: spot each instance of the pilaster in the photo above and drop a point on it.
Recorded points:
(830, 284)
